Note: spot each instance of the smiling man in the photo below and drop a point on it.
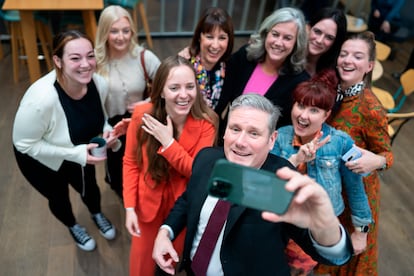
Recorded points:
(247, 243)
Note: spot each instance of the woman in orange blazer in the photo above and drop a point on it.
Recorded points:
(162, 140)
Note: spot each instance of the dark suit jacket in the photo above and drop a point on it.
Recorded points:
(251, 245)
(238, 72)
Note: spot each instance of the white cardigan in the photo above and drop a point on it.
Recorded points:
(40, 127)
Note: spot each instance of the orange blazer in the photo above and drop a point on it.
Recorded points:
(146, 199)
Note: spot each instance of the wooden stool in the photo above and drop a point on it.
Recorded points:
(17, 47)
(143, 14)
(383, 51)
(46, 41)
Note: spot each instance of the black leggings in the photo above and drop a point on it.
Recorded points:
(54, 185)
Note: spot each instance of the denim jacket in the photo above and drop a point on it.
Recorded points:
(329, 170)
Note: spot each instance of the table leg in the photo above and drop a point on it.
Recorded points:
(30, 44)
(89, 20)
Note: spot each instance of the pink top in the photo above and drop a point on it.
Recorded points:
(259, 81)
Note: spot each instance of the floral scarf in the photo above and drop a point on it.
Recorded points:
(210, 88)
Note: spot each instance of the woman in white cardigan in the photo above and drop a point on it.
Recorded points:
(57, 117)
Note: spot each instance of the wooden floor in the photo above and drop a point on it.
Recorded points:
(33, 242)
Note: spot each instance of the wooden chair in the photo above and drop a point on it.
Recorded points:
(141, 9)
(383, 51)
(396, 121)
(394, 102)
(378, 71)
(12, 18)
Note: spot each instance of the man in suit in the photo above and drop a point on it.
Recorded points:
(252, 242)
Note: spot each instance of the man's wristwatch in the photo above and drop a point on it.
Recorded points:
(362, 228)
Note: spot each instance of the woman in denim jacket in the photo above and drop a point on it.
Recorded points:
(316, 149)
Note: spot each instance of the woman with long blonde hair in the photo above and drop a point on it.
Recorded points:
(118, 57)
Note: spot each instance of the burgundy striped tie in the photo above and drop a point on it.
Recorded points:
(208, 241)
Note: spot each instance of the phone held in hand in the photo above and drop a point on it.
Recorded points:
(353, 154)
(250, 187)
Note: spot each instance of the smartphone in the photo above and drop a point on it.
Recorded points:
(353, 154)
(250, 187)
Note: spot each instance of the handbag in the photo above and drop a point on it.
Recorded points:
(148, 80)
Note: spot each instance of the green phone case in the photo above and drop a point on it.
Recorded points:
(250, 187)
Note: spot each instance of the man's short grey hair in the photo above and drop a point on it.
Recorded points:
(258, 102)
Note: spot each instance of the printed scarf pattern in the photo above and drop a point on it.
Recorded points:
(209, 88)
(350, 91)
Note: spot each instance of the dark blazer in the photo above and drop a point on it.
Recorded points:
(251, 245)
(238, 72)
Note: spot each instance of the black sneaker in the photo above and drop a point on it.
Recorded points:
(105, 227)
(82, 238)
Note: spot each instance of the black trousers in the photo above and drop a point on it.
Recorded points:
(113, 168)
(374, 25)
(54, 185)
